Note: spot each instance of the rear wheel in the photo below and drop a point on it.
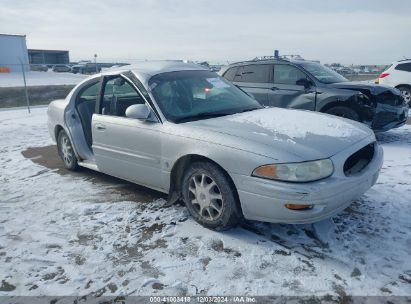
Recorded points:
(210, 196)
(406, 93)
(66, 151)
(345, 112)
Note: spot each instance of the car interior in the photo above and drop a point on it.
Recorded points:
(118, 96)
(85, 106)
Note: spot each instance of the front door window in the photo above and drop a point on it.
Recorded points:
(287, 74)
(118, 95)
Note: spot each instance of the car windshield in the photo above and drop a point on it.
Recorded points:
(192, 95)
(322, 73)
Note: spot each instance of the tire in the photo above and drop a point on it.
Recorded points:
(345, 112)
(210, 196)
(406, 93)
(66, 152)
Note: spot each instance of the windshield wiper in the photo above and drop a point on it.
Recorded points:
(204, 115)
(252, 109)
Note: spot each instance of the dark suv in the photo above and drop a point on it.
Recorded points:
(308, 85)
(87, 68)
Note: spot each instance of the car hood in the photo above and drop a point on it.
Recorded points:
(269, 131)
(364, 87)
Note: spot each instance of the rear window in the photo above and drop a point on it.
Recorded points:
(90, 92)
(406, 67)
(229, 75)
(256, 73)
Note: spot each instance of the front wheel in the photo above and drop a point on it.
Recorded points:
(345, 112)
(210, 196)
(406, 93)
(66, 151)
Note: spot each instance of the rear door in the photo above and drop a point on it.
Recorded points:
(285, 91)
(125, 147)
(255, 79)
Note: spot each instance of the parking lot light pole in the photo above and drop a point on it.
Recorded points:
(95, 62)
(25, 85)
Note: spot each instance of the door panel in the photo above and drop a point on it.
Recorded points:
(291, 96)
(128, 148)
(125, 147)
(286, 93)
(257, 90)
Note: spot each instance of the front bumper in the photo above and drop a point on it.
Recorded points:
(264, 200)
(388, 117)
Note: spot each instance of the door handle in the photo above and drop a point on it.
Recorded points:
(100, 127)
(274, 89)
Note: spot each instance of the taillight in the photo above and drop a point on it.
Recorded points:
(383, 75)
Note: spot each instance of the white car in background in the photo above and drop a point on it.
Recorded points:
(398, 75)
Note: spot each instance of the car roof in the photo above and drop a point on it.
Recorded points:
(402, 61)
(263, 61)
(269, 61)
(147, 69)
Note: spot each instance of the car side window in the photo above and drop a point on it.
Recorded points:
(238, 74)
(230, 74)
(86, 99)
(257, 73)
(90, 93)
(287, 74)
(406, 67)
(118, 95)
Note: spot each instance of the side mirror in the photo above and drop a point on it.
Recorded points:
(304, 82)
(138, 111)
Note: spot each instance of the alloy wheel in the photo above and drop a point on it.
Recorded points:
(205, 197)
(66, 150)
(407, 96)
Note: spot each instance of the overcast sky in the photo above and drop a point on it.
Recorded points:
(349, 31)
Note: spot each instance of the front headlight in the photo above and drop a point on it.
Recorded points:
(296, 172)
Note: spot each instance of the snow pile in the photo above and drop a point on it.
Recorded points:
(63, 234)
(39, 79)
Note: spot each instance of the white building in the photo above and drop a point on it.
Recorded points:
(13, 53)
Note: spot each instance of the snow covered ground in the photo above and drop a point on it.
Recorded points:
(63, 234)
(39, 79)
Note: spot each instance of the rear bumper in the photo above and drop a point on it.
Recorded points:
(264, 200)
(388, 117)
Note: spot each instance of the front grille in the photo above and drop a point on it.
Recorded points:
(359, 160)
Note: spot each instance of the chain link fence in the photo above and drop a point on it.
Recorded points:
(34, 84)
(8, 68)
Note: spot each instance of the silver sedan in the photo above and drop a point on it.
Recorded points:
(183, 130)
